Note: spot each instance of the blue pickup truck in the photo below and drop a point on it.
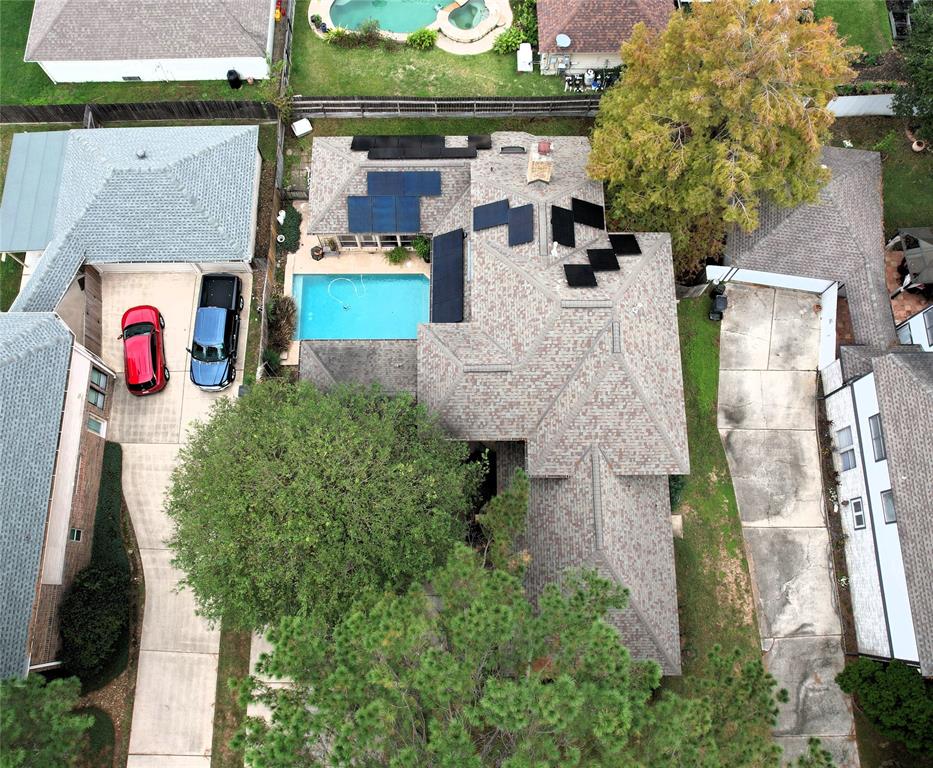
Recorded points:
(216, 332)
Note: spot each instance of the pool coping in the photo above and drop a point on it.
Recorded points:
(462, 42)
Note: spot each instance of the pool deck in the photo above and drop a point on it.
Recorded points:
(348, 262)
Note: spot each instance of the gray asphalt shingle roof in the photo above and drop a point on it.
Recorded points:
(904, 383)
(839, 238)
(95, 30)
(189, 199)
(35, 351)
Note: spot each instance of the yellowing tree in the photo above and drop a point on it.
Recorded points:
(727, 103)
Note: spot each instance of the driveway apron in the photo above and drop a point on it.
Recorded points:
(769, 348)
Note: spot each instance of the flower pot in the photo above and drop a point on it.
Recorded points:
(919, 145)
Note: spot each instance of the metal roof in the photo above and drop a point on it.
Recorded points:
(30, 192)
(35, 351)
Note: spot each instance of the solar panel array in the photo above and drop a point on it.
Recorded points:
(490, 215)
(480, 141)
(587, 213)
(366, 143)
(624, 245)
(424, 152)
(602, 259)
(418, 147)
(521, 224)
(404, 183)
(562, 226)
(383, 213)
(580, 275)
(447, 277)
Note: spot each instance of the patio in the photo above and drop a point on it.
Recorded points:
(905, 305)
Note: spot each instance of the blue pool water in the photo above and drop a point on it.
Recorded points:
(469, 15)
(361, 306)
(392, 15)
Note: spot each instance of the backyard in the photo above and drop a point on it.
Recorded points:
(22, 83)
(908, 192)
(321, 69)
(863, 22)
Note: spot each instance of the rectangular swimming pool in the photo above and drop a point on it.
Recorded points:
(361, 306)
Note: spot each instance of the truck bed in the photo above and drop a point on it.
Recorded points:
(219, 291)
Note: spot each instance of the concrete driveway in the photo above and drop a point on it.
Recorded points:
(173, 713)
(769, 348)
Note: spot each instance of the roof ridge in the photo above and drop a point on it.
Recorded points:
(223, 4)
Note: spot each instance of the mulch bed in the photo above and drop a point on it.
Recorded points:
(889, 66)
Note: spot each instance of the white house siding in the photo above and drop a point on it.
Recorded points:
(154, 69)
(887, 541)
(864, 586)
(918, 331)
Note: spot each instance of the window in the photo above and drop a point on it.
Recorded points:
(97, 426)
(844, 437)
(95, 397)
(904, 335)
(99, 379)
(347, 241)
(131, 78)
(97, 389)
(74, 534)
(928, 324)
(887, 506)
(877, 437)
(858, 514)
(843, 445)
(848, 459)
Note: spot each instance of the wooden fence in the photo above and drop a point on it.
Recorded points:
(152, 110)
(492, 106)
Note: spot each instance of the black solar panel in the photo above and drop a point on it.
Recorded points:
(447, 277)
(562, 226)
(365, 143)
(590, 214)
(580, 275)
(521, 224)
(424, 152)
(480, 141)
(624, 245)
(602, 259)
(490, 215)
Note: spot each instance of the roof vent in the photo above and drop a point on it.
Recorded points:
(141, 153)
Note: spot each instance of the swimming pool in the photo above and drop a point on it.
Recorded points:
(469, 15)
(360, 306)
(392, 15)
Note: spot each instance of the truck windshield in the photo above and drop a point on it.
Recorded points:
(208, 354)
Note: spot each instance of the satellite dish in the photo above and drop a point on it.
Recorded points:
(563, 41)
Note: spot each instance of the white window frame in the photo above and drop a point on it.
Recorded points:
(848, 459)
(101, 422)
(858, 513)
(877, 437)
(74, 535)
(887, 507)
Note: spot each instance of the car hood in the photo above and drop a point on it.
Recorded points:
(210, 374)
(138, 351)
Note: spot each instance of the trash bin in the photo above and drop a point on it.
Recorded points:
(233, 79)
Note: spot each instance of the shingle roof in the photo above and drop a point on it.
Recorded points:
(190, 199)
(95, 30)
(35, 351)
(904, 383)
(597, 26)
(840, 238)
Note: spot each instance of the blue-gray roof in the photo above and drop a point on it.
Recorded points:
(35, 350)
(190, 198)
(30, 192)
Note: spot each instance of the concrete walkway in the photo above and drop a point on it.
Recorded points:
(173, 712)
(769, 348)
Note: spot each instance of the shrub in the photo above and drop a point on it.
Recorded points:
(675, 486)
(291, 228)
(316, 20)
(509, 40)
(422, 246)
(281, 318)
(422, 39)
(887, 144)
(272, 361)
(895, 698)
(92, 617)
(367, 36)
(398, 255)
(340, 37)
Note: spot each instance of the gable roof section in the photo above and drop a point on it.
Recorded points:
(839, 238)
(904, 382)
(95, 30)
(35, 351)
(190, 199)
(597, 26)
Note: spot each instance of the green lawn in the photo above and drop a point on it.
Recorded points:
(863, 22)
(22, 83)
(99, 746)
(232, 662)
(908, 189)
(713, 586)
(320, 69)
(11, 272)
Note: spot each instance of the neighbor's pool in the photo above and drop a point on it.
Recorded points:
(392, 15)
(361, 306)
(469, 15)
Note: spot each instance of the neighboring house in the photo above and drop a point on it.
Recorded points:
(878, 395)
(78, 41)
(596, 30)
(916, 271)
(82, 203)
(882, 425)
(580, 386)
(54, 402)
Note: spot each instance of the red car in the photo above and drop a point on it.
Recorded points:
(144, 350)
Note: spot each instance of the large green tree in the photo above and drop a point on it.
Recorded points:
(914, 99)
(465, 673)
(291, 500)
(37, 722)
(724, 105)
